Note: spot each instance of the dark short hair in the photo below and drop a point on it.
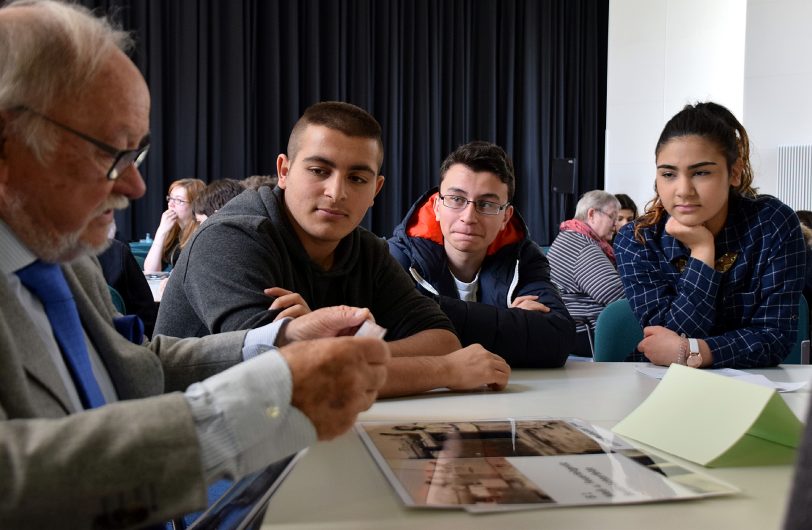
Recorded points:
(254, 182)
(626, 203)
(216, 195)
(483, 156)
(340, 116)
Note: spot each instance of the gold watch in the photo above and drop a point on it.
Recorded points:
(694, 357)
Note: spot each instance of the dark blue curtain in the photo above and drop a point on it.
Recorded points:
(229, 79)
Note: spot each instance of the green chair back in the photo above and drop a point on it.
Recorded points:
(118, 301)
(617, 332)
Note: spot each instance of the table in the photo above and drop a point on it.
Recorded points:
(337, 485)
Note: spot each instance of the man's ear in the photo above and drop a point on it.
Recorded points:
(379, 184)
(508, 216)
(282, 168)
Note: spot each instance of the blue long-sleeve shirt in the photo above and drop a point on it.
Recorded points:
(748, 315)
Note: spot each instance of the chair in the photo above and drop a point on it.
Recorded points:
(617, 332)
(118, 301)
(795, 355)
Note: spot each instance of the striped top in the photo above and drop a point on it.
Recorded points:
(587, 279)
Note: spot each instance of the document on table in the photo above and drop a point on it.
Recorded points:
(715, 421)
(657, 372)
(518, 464)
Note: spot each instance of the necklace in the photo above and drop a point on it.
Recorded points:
(723, 263)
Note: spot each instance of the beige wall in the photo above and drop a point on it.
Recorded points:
(662, 55)
(777, 82)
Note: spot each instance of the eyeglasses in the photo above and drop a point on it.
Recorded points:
(613, 218)
(455, 202)
(170, 200)
(122, 159)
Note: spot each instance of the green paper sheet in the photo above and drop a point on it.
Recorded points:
(715, 421)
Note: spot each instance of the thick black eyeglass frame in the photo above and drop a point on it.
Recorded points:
(122, 158)
(477, 204)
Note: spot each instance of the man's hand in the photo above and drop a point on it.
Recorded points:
(660, 345)
(335, 379)
(529, 302)
(292, 304)
(325, 322)
(474, 367)
(698, 239)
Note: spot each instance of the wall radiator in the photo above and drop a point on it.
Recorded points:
(795, 176)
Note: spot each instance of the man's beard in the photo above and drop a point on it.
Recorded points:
(47, 244)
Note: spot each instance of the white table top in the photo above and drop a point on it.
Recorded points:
(338, 485)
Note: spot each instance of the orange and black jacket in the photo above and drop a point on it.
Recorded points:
(514, 266)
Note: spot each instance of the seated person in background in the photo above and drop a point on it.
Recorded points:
(178, 223)
(123, 274)
(87, 436)
(302, 240)
(467, 247)
(254, 182)
(583, 264)
(627, 211)
(214, 196)
(805, 217)
(712, 270)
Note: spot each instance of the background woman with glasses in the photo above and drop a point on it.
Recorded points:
(583, 264)
(177, 225)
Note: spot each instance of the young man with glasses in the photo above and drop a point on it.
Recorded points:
(302, 240)
(465, 245)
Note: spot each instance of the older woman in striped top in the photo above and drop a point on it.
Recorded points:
(583, 264)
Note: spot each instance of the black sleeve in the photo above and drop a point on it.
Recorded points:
(398, 306)
(227, 268)
(137, 295)
(123, 273)
(525, 339)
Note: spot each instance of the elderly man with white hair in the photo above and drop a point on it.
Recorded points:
(88, 437)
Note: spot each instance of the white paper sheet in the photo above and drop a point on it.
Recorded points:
(657, 372)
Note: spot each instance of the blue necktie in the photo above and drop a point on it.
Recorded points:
(48, 283)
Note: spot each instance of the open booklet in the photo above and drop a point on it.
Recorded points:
(498, 465)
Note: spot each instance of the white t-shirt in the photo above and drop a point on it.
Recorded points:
(468, 291)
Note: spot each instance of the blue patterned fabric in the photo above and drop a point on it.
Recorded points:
(46, 282)
(747, 315)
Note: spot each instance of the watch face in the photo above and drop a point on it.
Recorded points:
(695, 360)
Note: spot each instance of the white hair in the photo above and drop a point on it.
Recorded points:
(49, 50)
(597, 199)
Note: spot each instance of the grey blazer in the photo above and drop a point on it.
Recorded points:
(124, 465)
